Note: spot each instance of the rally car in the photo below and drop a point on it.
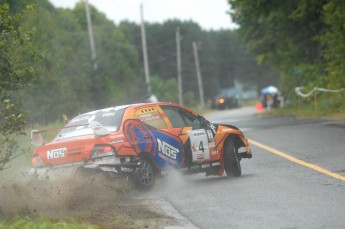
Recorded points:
(141, 141)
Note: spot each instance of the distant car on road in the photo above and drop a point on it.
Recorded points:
(141, 141)
(226, 99)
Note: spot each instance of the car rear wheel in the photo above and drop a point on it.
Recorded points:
(232, 163)
(144, 176)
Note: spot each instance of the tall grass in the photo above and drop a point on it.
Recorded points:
(326, 106)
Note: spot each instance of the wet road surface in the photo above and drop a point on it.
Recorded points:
(273, 192)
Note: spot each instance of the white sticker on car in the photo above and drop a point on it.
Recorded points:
(199, 145)
(167, 149)
(56, 153)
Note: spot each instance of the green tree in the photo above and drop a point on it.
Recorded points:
(334, 42)
(65, 81)
(165, 90)
(16, 71)
(223, 58)
(284, 34)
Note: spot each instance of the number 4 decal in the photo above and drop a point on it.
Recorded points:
(199, 145)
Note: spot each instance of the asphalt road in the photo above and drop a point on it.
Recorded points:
(273, 192)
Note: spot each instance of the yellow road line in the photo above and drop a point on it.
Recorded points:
(298, 161)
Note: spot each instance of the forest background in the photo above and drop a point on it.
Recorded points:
(65, 81)
(46, 68)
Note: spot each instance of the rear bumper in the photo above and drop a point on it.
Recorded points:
(106, 164)
(52, 173)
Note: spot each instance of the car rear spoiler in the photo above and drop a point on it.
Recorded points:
(97, 128)
(36, 138)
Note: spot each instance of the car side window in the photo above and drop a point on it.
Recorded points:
(178, 117)
(151, 116)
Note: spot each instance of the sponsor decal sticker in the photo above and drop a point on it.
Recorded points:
(209, 135)
(116, 136)
(214, 152)
(75, 151)
(193, 148)
(70, 150)
(56, 153)
(198, 133)
(167, 149)
(199, 141)
(213, 128)
(215, 163)
(126, 169)
(74, 154)
(116, 141)
(108, 114)
(200, 156)
(149, 116)
(204, 166)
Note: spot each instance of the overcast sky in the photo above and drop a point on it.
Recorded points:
(209, 14)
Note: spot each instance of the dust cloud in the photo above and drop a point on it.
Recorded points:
(172, 183)
(96, 199)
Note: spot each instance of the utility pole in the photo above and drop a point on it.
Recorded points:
(90, 31)
(143, 41)
(198, 74)
(179, 75)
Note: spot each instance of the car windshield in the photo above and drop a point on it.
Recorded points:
(110, 118)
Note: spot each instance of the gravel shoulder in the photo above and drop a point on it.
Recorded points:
(94, 200)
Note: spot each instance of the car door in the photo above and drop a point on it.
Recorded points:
(149, 133)
(196, 139)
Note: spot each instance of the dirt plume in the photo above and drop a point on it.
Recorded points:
(95, 199)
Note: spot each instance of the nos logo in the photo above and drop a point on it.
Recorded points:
(56, 153)
(167, 149)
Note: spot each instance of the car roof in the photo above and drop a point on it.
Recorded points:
(134, 105)
(137, 105)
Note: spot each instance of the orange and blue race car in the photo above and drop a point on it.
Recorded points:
(141, 141)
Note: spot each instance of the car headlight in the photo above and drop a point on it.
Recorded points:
(102, 151)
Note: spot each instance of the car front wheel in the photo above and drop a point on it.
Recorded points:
(232, 163)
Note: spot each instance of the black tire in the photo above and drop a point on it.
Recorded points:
(232, 163)
(144, 175)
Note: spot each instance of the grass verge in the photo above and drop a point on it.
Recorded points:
(27, 223)
(307, 111)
